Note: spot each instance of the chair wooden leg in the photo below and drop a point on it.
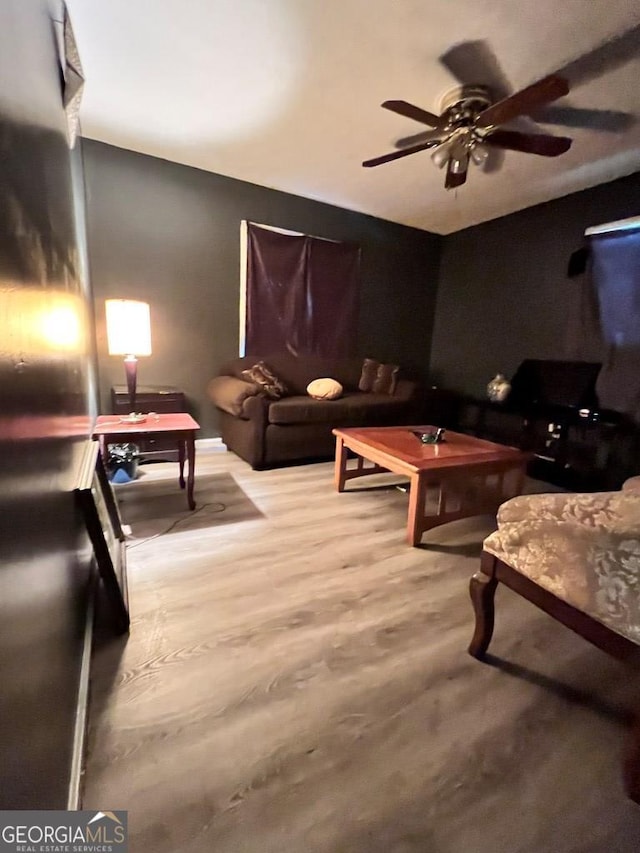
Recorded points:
(482, 590)
(631, 767)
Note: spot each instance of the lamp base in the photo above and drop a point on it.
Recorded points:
(133, 418)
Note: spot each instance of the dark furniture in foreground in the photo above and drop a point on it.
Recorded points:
(179, 429)
(575, 556)
(99, 509)
(553, 412)
(267, 432)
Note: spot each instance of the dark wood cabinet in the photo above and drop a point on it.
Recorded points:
(552, 411)
(578, 449)
(162, 399)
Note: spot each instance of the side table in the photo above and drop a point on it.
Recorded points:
(164, 399)
(160, 399)
(179, 428)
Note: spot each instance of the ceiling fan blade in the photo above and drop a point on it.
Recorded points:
(395, 155)
(418, 138)
(409, 111)
(525, 101)
(529, 143)
(456, 178)
(473, 63)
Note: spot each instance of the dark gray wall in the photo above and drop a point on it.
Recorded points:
(503, 293)
(44, 419)
(170, 235)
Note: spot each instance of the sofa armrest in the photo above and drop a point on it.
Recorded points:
(255, 408)
(230, 394)
(631, 485)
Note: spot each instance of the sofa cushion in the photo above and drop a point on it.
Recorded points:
(324, 389)
(377, 377)
(262, 375)
(386, 379)
(353, 409)
(368, 374)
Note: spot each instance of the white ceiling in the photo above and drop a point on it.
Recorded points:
(287, 93)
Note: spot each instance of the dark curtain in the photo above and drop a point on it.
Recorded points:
(302, 294)
(616, 274)
(583, 340)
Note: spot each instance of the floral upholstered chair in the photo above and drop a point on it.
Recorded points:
(577, 557)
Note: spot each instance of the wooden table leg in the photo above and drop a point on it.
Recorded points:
(340, 464)
(181, 457)
(415, 518)
(482, 589)
(191, 459)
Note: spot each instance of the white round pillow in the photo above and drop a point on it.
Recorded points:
(324, 389)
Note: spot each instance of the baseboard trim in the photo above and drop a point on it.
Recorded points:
(216, 444)
(78, 748)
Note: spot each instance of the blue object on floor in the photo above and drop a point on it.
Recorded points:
(120, 476)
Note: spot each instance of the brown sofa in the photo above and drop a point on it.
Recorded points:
(267, 432)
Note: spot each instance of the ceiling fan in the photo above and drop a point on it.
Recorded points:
(469, 125)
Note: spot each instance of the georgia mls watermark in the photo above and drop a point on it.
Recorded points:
(63, 832)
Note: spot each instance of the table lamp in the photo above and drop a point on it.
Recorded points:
(129, 334)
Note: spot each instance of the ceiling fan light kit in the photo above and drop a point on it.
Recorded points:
(470, 122)
(479, 153)
(440, 156)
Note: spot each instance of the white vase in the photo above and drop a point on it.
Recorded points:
(498, 389)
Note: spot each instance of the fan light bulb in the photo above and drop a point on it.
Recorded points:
(440, 156)
(479, 154)
(458, 166)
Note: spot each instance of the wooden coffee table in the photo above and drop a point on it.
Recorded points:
(178, 426)
(458, 478)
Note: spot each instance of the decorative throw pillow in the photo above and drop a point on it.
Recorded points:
(386, 379)
(262, 375)
(368, 376)
(324, 389)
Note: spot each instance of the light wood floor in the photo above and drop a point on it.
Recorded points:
(296, 681)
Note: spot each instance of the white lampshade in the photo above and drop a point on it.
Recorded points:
(128, 327)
